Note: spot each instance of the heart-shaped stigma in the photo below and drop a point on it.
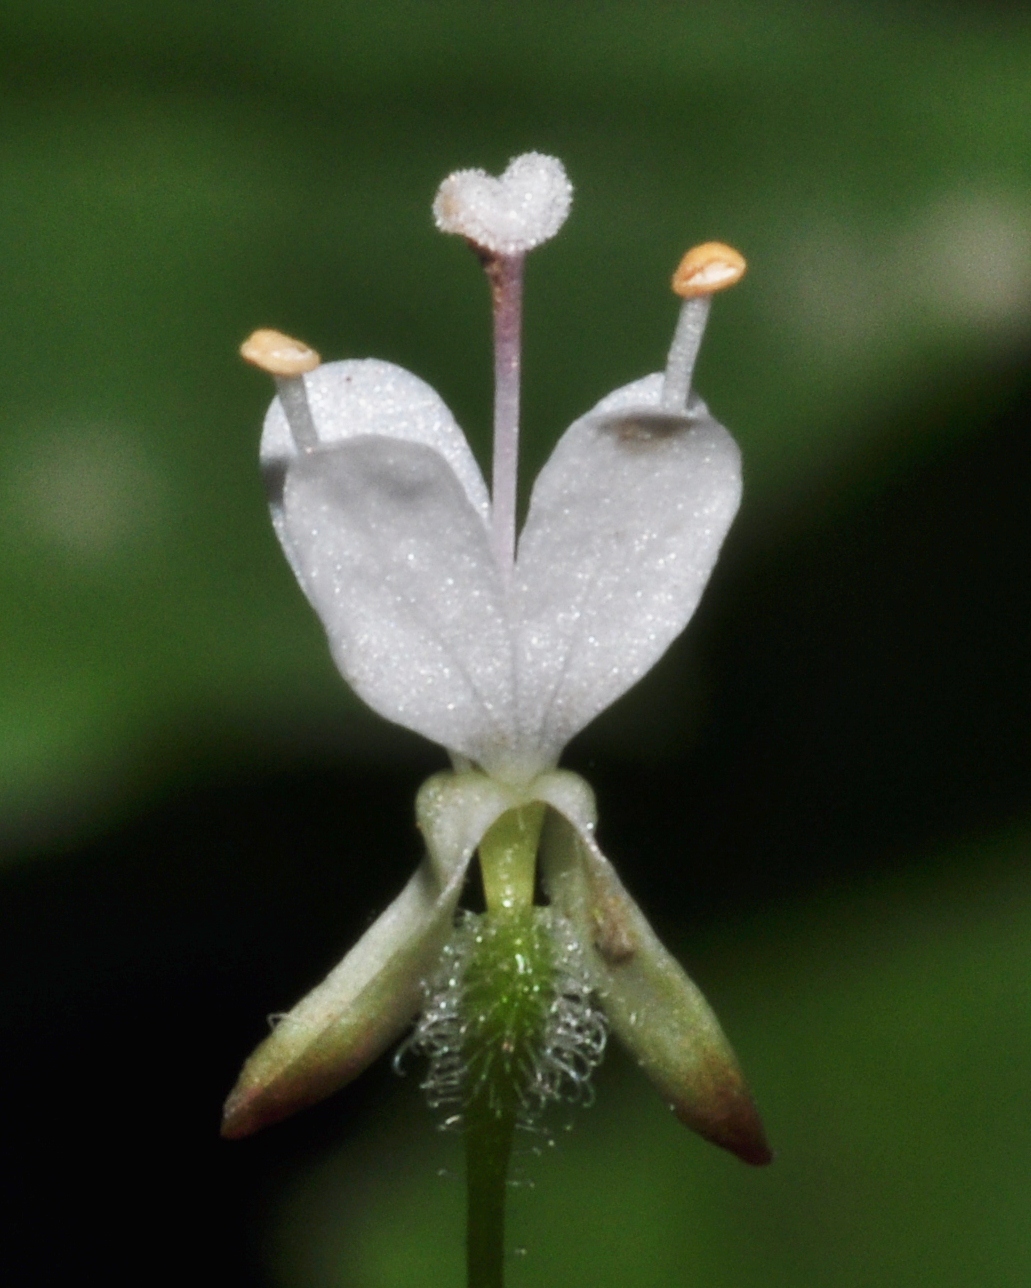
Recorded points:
(510, 215)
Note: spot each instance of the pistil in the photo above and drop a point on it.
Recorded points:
(501, 219)
(505, 274)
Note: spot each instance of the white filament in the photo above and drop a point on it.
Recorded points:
(687, 340)
(294, 399)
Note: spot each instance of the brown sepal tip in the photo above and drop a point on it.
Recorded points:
(705, 269)
(246, 1112)
(745, 1139)
(722, 1111)
(278, 354)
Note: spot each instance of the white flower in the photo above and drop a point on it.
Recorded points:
(386, 520)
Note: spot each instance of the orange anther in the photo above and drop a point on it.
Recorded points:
(278, 354)
(708, 268)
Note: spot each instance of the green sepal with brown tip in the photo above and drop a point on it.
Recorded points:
(651, 1004)
(370, 998)
(342, 1025)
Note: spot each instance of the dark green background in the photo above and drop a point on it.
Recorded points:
(822, 794)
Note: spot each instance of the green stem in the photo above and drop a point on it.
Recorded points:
(488, 1148)
(506, 993)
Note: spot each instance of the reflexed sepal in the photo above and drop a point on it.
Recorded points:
(651, 1004)
(342, 1025)
(368, 1001)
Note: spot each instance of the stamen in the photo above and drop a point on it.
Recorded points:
(286, 360)
(713, 266)
(687, 340)
(704, 270)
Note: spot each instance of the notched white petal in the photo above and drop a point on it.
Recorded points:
(509, 215)
(651, 1004)
(366, 396)
(625, 524)
(397, 564)
(361, 1007)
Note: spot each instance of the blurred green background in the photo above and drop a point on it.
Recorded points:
(823, 793)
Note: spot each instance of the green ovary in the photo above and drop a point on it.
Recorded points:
(507, 996)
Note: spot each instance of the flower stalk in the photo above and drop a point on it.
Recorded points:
(489, 1133)
(509, 974)
(507, 988)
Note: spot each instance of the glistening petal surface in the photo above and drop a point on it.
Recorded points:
(398, 566)
(626, 521)
(364, 396)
